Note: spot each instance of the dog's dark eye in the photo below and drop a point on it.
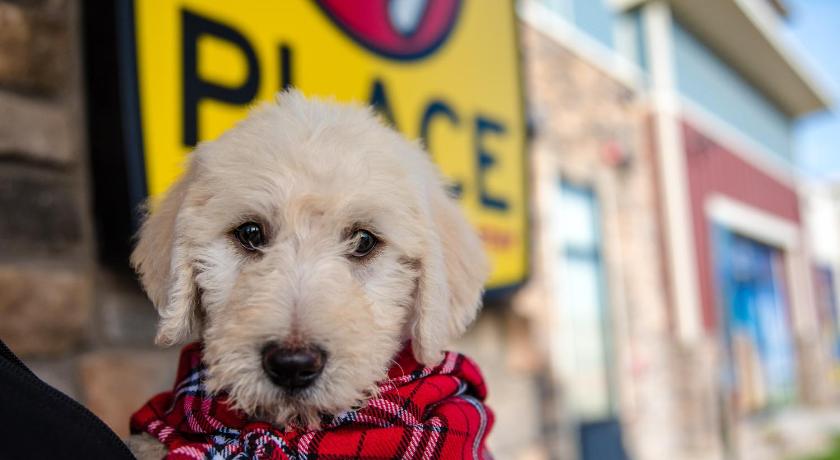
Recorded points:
(365, 243)
(250, 235)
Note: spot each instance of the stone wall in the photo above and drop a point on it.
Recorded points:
(86, 330)
(45, 241)
(501, 345)
(582, 114)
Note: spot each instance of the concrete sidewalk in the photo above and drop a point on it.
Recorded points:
(792, 433)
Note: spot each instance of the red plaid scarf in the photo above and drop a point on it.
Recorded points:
(421, 413)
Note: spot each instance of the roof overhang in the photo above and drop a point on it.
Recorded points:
(780, 7)
(745, 33)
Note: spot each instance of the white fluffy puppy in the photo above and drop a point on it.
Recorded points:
(309, 233)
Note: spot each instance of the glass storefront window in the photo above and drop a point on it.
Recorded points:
(757, 333)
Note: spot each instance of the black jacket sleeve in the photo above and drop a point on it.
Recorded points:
(39, 422)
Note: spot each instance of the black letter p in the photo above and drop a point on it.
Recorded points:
(195, 88)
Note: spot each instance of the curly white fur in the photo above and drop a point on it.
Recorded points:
(309, 170)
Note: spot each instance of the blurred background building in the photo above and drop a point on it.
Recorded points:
(666, 282)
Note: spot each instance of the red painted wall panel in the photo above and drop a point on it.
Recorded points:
(714, 169)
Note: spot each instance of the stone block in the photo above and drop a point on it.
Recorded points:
(41, 213)
(44, 311)
(517, 427)
(126, 316)
(35, 130)
(34, 45)
(115, 383)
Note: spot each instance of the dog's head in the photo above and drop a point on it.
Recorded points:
(306, 245)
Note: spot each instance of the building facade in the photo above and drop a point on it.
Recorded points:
(720, 249)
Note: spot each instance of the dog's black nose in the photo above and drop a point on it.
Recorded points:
(293, 368)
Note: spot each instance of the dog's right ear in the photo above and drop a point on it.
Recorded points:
(166, 271)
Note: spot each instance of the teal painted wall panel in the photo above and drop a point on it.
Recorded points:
(708, 81)
(595, 18)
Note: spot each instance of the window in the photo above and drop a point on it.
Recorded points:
(581, 303)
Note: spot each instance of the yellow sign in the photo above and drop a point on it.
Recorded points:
(446, 71)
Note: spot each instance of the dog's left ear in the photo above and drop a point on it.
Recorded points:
(452, 275)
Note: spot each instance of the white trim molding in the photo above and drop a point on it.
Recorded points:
(753, 222)
(672, 172)
(740, 144)
(555, 26)
(780, 233)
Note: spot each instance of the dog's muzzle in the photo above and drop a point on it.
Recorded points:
(293, 368)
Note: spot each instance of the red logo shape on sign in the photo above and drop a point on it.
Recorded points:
(397, 29)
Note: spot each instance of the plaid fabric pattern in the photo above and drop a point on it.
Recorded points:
(420, 413)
